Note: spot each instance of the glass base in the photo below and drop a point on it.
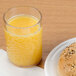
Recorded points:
(26, 66)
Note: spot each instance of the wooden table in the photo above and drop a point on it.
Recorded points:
(59, 21)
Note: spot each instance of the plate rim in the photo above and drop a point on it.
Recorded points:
(52, 51)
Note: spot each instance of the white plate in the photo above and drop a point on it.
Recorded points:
(8, 69)
(52, 59)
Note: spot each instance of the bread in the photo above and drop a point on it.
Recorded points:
(67, 61)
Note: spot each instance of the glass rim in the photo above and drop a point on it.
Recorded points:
(4, 17)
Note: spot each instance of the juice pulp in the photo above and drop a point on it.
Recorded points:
(24, 45)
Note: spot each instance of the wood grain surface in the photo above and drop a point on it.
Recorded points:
(59, 21)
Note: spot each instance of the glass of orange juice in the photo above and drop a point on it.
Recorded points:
(23, 34)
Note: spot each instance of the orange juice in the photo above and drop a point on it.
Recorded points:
(24, 41)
